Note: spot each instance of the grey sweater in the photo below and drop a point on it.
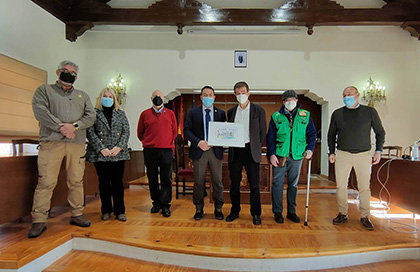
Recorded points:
(350, 130)
(52, 106)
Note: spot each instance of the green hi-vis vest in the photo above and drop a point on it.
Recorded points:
(298, 136)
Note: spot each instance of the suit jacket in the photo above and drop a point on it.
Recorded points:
(257, 130)
(101, 136)
(194, 131)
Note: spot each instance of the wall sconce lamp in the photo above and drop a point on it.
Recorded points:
(373, 92)
(118, 86)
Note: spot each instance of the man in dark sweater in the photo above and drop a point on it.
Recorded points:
(349, 132)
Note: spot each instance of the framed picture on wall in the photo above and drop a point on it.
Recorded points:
(240, 59)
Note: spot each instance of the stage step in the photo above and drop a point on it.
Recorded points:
(96, 261)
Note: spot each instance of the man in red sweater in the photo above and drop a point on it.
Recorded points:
(157, 129)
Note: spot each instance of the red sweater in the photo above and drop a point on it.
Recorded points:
(157, 130)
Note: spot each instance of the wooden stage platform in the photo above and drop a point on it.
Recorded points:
(183, 244)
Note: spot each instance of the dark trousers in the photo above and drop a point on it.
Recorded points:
(110, 176)
(159, 159)
(242, 157)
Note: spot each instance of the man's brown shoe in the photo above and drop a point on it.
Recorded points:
(366, 223)
(340, 219)
(37, 229)
(80, 221)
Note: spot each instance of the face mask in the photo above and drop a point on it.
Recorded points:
(107, 102)
(208, 101)
(242, 98)
(157, 101)
(349, 101)
(290, 105)
(67, 77)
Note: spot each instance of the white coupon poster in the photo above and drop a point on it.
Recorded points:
(226, 134)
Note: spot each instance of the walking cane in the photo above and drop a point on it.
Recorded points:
(307, 191)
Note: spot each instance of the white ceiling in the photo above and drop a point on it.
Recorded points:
(265, 4)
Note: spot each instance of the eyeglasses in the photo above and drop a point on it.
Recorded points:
(67, 71)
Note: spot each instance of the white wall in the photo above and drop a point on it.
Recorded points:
(30, 34)
(326, 62)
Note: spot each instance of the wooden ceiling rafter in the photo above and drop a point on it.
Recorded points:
(82, 15)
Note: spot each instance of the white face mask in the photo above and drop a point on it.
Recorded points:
(290, 105)
(242, 98)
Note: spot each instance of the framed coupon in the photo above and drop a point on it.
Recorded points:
(226, 134)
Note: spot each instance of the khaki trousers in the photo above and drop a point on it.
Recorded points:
(50, 157)
(362, 164)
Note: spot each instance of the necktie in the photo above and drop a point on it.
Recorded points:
(207, 123)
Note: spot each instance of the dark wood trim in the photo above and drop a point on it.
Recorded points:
(82, 15)
(76, 29)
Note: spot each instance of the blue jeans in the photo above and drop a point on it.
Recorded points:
(292, 168)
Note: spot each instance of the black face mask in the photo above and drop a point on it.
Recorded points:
(67, 77)
(157, 101)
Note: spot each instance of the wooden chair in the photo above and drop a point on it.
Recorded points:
(19, 143)
(392, 151)
(182, 171)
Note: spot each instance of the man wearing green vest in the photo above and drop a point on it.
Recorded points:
(291, 137)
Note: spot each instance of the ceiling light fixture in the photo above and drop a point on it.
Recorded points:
(244, 32)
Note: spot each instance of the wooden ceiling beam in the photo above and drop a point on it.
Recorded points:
(166, 16)
(80, 15)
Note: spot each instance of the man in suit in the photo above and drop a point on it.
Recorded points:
(255, 130)
(196, 130)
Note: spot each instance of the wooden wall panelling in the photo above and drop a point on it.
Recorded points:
(19, 177)
(403, 182)
(271, 104)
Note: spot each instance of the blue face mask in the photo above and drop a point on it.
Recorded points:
(349, 101)
(107, 102)
(208, 101)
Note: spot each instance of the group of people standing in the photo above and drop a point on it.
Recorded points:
(66, 117)
(281, 144)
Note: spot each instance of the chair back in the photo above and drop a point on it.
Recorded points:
(179, 153)
(18, 145)
(392, 151)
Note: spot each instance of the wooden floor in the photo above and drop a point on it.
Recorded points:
(180, 233)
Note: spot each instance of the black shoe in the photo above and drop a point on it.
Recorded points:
(366, 223)
(37, 229)
(293, 217)
(198, 214)
(218, 214)
(155, 209)
(279, 218)
(166, 212)
(340, 219)
(256, 219)
(231, 217)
